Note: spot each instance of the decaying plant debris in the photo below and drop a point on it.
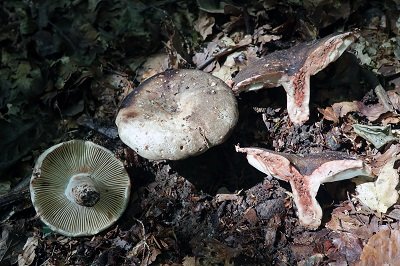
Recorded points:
(66, 66)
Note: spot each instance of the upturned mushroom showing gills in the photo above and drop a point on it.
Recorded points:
(79, 188)
(292, 69)
(305, 175)
(176, 114)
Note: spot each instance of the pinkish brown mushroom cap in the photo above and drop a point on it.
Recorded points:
(292, 69)
(305, 175)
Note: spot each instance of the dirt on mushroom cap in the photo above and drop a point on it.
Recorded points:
(176, 114)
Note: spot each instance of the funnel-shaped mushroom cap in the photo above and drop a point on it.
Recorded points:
(176, 114)
(79, 188)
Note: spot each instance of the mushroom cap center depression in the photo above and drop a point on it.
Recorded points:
(176, 114)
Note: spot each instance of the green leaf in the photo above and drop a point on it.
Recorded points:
(377, 135)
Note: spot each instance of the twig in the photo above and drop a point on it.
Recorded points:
(224, 52)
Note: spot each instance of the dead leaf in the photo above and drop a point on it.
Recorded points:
(189, 261)
(380, 160)
(29, 251)
(212, 251)
(381, 194)
(394, 98)
(345, 219)
(204, 24)
(205, 56)
(228, 68)
(347, 244)
(343, 108)
(372, 112)
(154, 64)
(390, 119)
(151, 258)
(329, 114)
(341, 220)
(383, 248)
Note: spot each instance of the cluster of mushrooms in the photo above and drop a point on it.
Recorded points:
(79, 188)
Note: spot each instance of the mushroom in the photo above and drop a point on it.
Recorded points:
(176, 114)
(305, 175)
(292, 69)
(79, 188)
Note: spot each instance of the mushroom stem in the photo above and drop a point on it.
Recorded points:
(305, 175)
(82, 190)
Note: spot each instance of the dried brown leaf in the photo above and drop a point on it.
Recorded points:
(372, 112)
(380, 160)
(204, 24)
(343, 108)
(329, 114)
(383, 248)
(347, 244)
(341, 220)
(29, 252)
(153, 65)
(394, 98)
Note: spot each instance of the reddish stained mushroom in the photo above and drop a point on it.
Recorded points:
(305, 175)
(292, 69)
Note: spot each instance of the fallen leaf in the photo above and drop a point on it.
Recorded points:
(343, 108)
(205, 56)
(372, 112)
(377, 135)
(381, 194)
(29, 251)
(154, 64)
(347, 244)
(204, 24)
(380, 160)
(228, 68)
(329, 114)
(394, 98)
(383, 248)
(189, 261)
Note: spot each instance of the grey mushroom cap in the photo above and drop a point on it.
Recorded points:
(176, 114)
(94, 166)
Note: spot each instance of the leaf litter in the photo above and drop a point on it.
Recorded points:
(66, 66)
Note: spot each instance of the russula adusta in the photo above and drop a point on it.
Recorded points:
(292, 69)
(305, 175)
(79, 188)
(176, 114)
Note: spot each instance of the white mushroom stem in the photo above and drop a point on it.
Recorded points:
(82, 190)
